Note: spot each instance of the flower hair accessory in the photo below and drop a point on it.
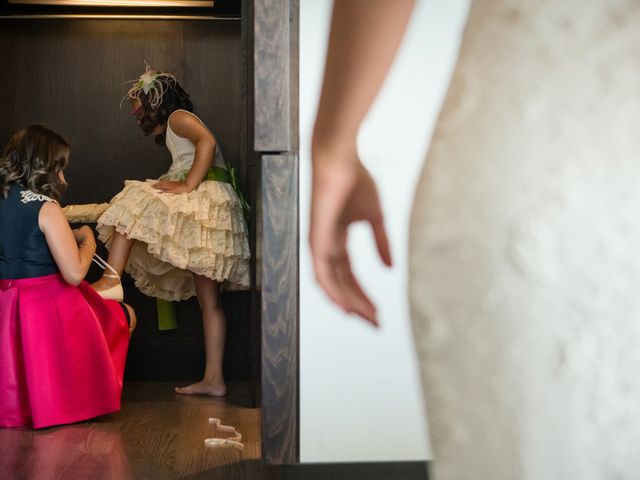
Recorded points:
(153, 84)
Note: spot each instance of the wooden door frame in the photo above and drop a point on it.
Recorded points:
(274, 44)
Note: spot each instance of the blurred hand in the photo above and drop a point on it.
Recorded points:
(343, 193)
(84, 234)
(167, 186)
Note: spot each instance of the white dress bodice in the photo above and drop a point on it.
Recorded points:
(183, 151)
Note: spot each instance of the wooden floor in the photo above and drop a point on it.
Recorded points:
(157, 435)
(160, 435)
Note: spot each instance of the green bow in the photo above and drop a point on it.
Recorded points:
(246, 208)
(229, 176)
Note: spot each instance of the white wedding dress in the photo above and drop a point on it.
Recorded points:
(525, 247)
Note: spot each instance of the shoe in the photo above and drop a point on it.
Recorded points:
(114, 293)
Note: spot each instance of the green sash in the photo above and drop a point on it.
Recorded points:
(226, 175)
(167, 318)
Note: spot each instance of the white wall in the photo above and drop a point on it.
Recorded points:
(360, 396)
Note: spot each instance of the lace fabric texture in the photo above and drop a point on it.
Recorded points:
(524, 247)
(85, 213)
(202, 231)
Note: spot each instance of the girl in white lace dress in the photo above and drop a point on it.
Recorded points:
(183, 234)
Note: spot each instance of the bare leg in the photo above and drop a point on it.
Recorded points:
(133, 320)
(118, 256)
(214, 325)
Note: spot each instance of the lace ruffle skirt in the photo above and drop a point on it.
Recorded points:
(201, 232)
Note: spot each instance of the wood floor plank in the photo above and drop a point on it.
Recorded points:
(156, 435)
(159, 435)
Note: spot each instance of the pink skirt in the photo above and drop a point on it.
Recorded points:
(62, 352)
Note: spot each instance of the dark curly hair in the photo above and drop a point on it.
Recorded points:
(174, 98)
(33, 158)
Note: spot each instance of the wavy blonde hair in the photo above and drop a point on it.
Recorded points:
(34, 158)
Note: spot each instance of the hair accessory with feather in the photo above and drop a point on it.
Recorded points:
(152, 83)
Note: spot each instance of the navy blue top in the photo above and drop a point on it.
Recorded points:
(23, 249)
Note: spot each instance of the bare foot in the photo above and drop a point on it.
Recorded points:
(204, 387)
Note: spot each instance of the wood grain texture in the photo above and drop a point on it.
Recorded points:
(273, 127)
(157, 435)
(275, 57)
(70, 75)
(294, 76)
(280, 311)
(255, 335)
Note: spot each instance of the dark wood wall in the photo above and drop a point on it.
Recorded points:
(70, 75)
(276, 138)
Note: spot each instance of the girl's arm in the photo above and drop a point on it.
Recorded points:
(188, 126)
(72, 250)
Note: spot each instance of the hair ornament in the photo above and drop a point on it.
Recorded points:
(152, 83)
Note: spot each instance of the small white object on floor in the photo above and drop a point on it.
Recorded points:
(232, 441)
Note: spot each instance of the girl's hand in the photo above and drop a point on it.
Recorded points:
(168, 186)
(84, 234)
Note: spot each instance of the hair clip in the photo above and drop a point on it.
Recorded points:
(152, 83)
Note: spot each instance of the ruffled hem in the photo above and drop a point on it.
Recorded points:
(202, 231)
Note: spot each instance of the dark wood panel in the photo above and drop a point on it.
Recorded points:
(276, 39)
(273, 127)
(280, 311)
(357, 471)
(294, 76)
(70, 75)
(213, 69)
(255, 334)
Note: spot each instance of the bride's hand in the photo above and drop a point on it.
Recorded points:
(168, 186)
(343, 193)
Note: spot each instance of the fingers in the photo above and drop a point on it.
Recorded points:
(333, 209)
(327, 281)
(334, 274)
(358, 300)
(164, 187)
(382, 240)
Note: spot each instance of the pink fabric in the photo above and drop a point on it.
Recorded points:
(62, 352)
(77, 452)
